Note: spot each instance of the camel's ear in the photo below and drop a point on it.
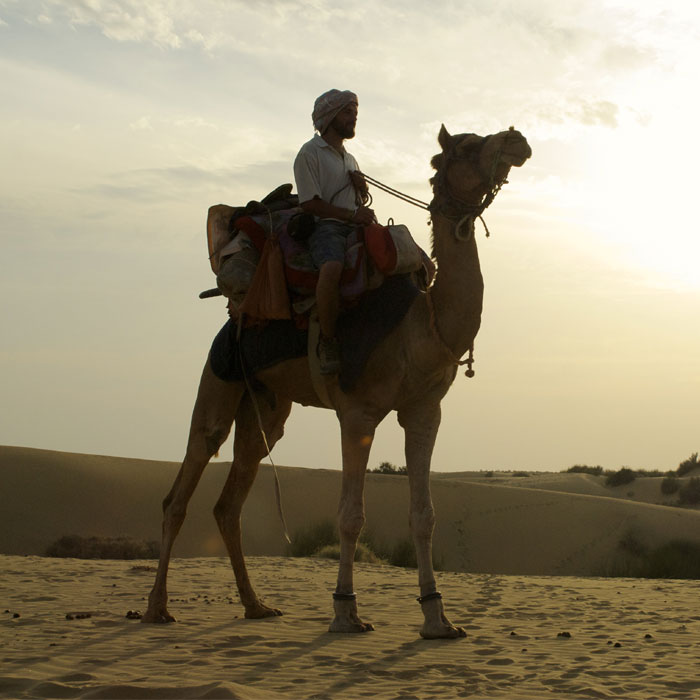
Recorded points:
(444, 138)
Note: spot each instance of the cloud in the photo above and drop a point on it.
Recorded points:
(469, 60)
(141, 124)
(172, 183)
(601, 112)
(124, 20)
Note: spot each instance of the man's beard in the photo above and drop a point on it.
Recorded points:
(344, 130)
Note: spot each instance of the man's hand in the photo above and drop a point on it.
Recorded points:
(360, 185)
(363, 216)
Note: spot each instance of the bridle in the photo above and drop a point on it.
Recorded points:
(445, 202)
(461, 212)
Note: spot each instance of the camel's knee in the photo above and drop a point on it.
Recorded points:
(227, 517)
(276, 433)
(422, 522)
(214, 438)
(174, 513)
(350, 524)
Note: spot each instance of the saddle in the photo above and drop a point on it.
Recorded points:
(265, 268)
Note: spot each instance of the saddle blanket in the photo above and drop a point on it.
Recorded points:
(360, 329)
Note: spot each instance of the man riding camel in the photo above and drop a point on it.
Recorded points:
(331, 188)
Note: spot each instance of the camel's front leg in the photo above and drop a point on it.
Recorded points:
(211, 423)
(248, 449)
(420, 424)
(357, 433)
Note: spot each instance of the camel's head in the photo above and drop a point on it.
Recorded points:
(471, 166)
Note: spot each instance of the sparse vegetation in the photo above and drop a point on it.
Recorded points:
(306, 542)
(688, 465)
(689, 493)
(363, 553)
(674, 559)
(670, 485)
(584, 469)
(389, 468)
(621, 477)
(677, 559)
(78, 547)
(521, 473)
(321, 540)
(403, 553)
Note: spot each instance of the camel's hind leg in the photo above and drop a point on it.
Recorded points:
(212, 418)
(248, 449)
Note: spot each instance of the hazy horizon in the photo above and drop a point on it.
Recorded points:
(122, 124)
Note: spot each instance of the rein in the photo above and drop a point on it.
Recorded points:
(396, 193)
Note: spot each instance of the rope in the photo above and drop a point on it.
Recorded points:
(278, 489)
(396, 193)
(436, 331)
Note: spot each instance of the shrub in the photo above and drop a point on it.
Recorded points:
(321, 540)
(688, 465)
(389, 468)
(631, 544)
(94, 547)
(308, 541)
(670, 485)
(521, 473)
(689, 494)
(363, 553)
(675, 559)
(584, 469)
(403, 553)
(621, 477)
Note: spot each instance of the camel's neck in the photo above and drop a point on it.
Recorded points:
(458, 288)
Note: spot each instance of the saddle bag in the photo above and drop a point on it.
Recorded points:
(237, 263)
(392, 249)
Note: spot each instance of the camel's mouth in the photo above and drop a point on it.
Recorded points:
(517, 159)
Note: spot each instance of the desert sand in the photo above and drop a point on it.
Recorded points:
(523, 560)
(527, 636)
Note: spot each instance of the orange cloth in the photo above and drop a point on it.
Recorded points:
(267, 297)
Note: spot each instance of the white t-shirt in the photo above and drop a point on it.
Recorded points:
(320, 171)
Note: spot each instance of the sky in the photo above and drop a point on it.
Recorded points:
(121, 122)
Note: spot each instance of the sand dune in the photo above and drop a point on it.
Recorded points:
(527, 637)
(502, 524)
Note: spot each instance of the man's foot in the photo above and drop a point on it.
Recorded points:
(329, 355)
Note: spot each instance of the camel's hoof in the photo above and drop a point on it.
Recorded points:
(436, 625)
(260, 611)
(442, 632)
(350, 625)
(159, 617)
(346, 618)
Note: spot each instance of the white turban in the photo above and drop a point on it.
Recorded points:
(328, 105)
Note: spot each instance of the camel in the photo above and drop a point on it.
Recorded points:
(409, 372)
